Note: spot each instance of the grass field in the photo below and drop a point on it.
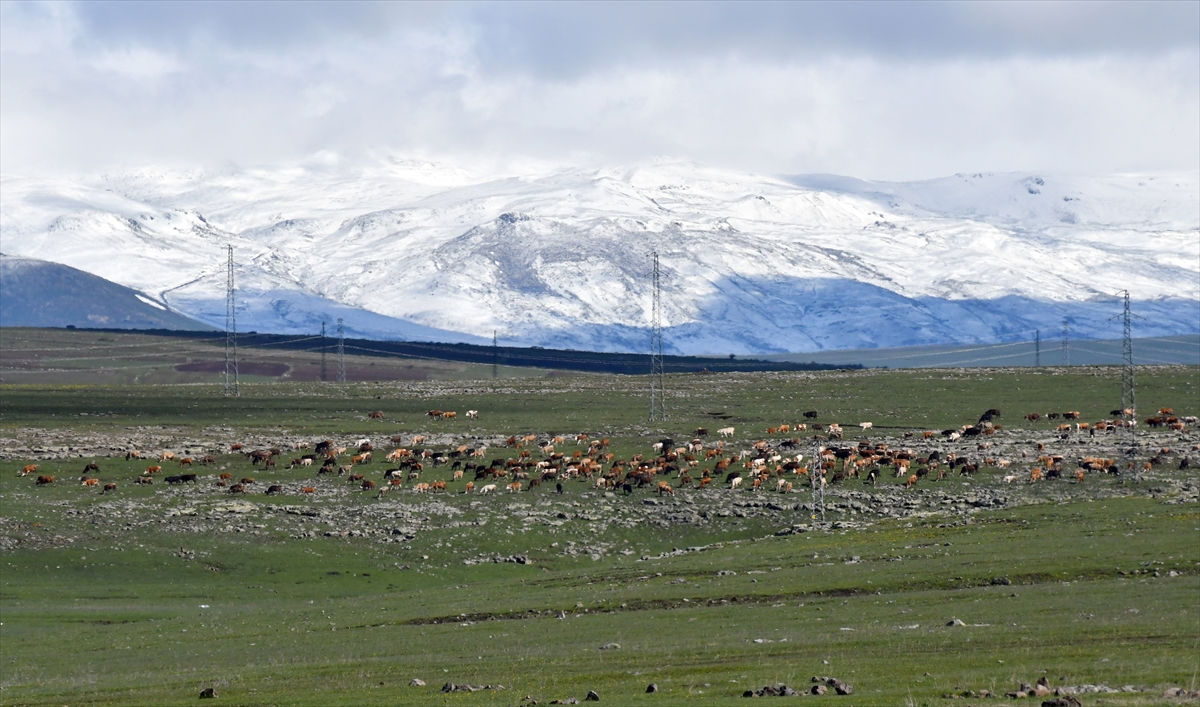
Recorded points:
(147, 595)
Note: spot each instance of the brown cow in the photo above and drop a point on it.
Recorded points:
(108, 487)
(275, 489)
(186, 461)
(166, 456)
(308, 489)
(225, 476)
(438, 486)
(665, 488)
(237, 488)
(247, 481)
(376, 415)
(152, 469)
(45, 480)
(90, 482)
(28, 470)
(148, 481)
(367, 485)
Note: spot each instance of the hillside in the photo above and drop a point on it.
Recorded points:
(751, 264)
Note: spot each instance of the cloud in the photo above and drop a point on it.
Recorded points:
(879, 90)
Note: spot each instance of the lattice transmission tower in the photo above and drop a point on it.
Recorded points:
(1066, 343)
(816, 478)
(1128, 383)
(1037, 347)
(231, 366)
(341, 352)
(324, 347)
(658, 403)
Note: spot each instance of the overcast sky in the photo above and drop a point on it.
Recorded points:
(875, 90)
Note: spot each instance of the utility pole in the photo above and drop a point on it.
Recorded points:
(341, 352)
(1066, 343)
(1037, 347)
(231, 366)
(658, 403)
(495, 357)
(324, 347)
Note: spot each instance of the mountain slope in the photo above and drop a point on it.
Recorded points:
(35, 293)
(750, 264)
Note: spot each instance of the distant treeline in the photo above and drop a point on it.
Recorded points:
(536, 357)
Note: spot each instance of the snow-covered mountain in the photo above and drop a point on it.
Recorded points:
(561, 258)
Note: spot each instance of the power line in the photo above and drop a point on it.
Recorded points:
(341, 352)
(658, 403)
(231, 367)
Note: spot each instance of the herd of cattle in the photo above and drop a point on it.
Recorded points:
(529, 461)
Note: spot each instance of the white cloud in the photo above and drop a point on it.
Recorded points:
(875, 91)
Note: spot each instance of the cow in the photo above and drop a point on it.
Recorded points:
(735, 482)
(238, 447)
(225, 476)
(812, 414)
(178, 479)
(107, 488)
(190, 477)
(1033, 416)
(473, 414)
(146, 480)
(438, 486)
(152, 470)
(469, 487)
(45, 480)
(29, 469)
(487, 489)
(91, 466)
(367, 485)
(725, 431)
(376, 415)
(665, 488)
(237, 488)
(247, 481)
(90, 482)
(866, 425)
(186, 461)
(308, 489)
(166, 456)
(435, 414)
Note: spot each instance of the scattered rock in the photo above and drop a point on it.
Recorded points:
(956, 622)
(448, 687)
(1065, 701)
(417, 682)
(208, 693)
(818, 690)
(652, 687)
(610, 647)
(592, 696)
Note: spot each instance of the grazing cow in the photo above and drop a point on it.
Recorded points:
(174, 479)
(90, 482)
(237, 488)
(438, 486)
(238, 447)
(308, 489)
(1073, 415)
(190, 477)
(435, 414)
(1166, 411)
(226, 476)
(152, 470)
(735, 482)
(91, 466)
(107, 488)
(665, 488)
(186, 461)
(367, 485)
(1033, 416)
(912, 481)
(144, 480)
(811, 414)
(247, 481)
(473, 414)
(376, 415)
(45, 480)
(1035, 474)
(725, 431)
(355, 478)
(28, 470)
(866, 425)
(470, 487)
(514, 487)
(487, 489)
(166, 456)
(274, 489)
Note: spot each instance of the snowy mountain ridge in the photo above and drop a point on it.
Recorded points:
(751, 264)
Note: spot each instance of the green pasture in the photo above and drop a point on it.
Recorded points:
(108, 600)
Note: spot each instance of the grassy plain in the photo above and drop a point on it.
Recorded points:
(148, 595)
